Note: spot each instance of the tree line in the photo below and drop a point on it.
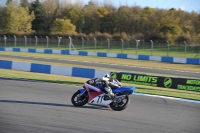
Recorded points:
(54, 17)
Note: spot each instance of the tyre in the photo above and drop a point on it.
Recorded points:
(120, 104)
(79, 100)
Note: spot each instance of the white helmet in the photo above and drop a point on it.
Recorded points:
(106, 75)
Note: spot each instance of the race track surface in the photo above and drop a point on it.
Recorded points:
(114, 66)
(38, 107)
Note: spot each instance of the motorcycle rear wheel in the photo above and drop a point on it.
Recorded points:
(79, 100)
(120, 105)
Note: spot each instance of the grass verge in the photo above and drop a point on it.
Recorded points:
(118, 61)
(79, 82)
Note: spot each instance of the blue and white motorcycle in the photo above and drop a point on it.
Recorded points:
(96, 96)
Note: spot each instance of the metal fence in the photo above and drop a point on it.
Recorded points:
(137, 47)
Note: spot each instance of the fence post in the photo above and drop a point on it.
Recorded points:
(151, 47)
(5, 39)
(137, 44)
(15, 40)
(47, 41)
(95, 44)
(167, 48)
(25, 41)
(30, 40)
(185, 48)
(122, 45)
(108, 45)
(36, 41)
(82, 43)
(59, 39)
(70, 41)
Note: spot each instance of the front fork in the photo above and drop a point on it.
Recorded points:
(81, 92)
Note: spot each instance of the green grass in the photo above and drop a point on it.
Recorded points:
(129, 62)
(79, 82)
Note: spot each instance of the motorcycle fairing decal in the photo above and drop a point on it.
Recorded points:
(99, 100)
(92, 87)
(92, 95)
(92, 91)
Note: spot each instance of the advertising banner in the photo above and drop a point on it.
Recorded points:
(158, 81)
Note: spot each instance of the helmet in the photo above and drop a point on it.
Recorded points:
(106, 75)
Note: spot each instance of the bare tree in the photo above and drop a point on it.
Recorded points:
(51, 11)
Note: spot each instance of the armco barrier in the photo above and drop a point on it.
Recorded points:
(158, 81)
(195, 61)
(51, 69)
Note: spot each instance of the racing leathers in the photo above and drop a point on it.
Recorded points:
(108, 83)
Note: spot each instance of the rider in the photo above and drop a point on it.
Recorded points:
(106, 80)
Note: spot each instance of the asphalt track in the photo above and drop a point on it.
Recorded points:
(133, 69)
(39, 107)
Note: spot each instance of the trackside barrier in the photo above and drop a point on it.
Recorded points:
(188, 84)
(195, 61)
(51, 69)
(141, 79)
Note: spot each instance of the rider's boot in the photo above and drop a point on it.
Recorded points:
(110, 94)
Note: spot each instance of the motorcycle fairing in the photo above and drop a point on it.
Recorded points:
(99, 100)
(93, 94)
(128, 90)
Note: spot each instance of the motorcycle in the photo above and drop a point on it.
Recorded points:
(97, 96)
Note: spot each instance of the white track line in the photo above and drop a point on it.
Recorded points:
(172, 98)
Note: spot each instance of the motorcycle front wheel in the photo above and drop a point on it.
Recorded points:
(120, 104)
(78, 100)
